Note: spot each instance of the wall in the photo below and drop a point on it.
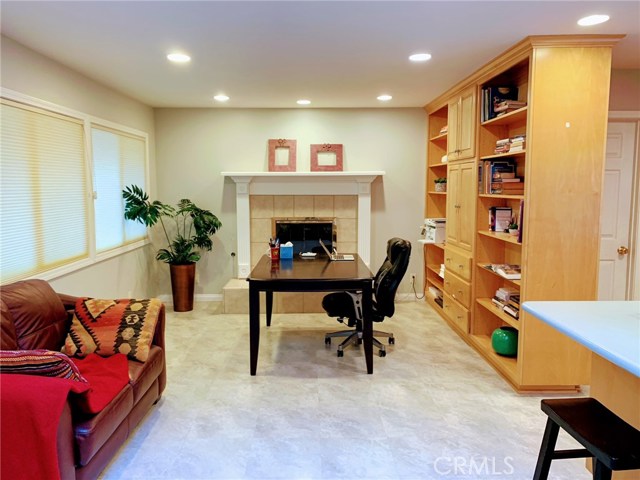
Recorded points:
(625, 90)
(195, 145)
(30, 73)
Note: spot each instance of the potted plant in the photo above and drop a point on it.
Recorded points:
(191, 234)
(513, 227)
(441, 184)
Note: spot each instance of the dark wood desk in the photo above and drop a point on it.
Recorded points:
(303, 275)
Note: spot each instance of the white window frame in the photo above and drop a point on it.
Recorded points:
(88, 121)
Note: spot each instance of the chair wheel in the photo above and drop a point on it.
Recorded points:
(327, 341)
(392, 341)
(383, 353)
(340, 353)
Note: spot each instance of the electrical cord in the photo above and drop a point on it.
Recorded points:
(413, 286)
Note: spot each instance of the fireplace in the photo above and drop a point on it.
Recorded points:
(305, 233)
(261, 196)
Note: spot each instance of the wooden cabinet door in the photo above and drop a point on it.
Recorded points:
(466, 204)
(461, 138)
(452, 135)
(453, 183)
(467, 124)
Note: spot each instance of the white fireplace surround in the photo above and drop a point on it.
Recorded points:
(301, 183)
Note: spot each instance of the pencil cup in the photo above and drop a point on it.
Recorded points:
(275, 254)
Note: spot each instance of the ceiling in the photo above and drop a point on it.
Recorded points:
(266, 54)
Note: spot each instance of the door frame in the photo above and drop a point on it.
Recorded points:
(633, 275)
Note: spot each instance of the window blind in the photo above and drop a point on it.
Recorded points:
(44, 197)
(119, 160)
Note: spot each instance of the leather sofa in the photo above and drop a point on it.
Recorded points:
(34, 316)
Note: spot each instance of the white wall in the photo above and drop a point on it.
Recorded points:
(195, 145)
(30, 73)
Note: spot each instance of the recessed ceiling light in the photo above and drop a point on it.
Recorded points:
(221, 98)
(179, 57)
(592, 20)
(385, 98)
(420, 57)
(303, 102)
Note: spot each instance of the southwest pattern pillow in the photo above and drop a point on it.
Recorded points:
(45, 363)
(107, 327)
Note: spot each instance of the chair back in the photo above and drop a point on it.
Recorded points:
(389, 276)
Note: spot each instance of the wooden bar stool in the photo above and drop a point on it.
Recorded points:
(612, 442)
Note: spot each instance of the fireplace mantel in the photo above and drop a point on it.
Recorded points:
(301, 183)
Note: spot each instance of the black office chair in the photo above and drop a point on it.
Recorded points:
(347, 306)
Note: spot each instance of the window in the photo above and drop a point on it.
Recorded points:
(118, 161)
(48, 222)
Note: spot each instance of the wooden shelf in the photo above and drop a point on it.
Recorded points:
(436, 282)
(511, 117)
(507, 365)
(433, 192)
(435, 269)
(497, 311)
(501, 195)
(442, 136)
(505, 237)
(484, 269)
(503, 155)
(438, 165)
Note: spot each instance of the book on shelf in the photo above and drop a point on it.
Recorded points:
(444, 130)
(492, 96)
(507, 188)
(520, 220)
(509, 271)
(497, 302)
(510, 180)
(506, 293)
(515, 313)
(499, 218)
(508, 106)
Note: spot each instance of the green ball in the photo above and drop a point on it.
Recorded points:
(504, 341)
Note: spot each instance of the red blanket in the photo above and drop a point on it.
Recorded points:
(30, 409)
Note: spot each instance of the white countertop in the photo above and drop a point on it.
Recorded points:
(610, 329)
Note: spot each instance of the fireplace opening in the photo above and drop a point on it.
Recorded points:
(305, 233)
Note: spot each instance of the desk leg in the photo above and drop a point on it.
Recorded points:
(269, 295)
(254, 326)
(367, 327)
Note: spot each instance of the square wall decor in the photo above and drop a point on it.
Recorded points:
(326, 157)
(282, 155)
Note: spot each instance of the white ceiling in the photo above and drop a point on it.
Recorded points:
(269, 54)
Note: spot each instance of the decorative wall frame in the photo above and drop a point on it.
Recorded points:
(281, 143)
(335, 160)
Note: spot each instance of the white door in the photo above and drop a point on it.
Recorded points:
(615, 213)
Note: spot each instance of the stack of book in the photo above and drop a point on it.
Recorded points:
(513, 306)
(517, 143)
(510, 145)
(507, 106)
(508, 271)
(503, 146)
(508, 186)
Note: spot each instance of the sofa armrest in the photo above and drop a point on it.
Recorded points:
(158, 335)
(69, 301)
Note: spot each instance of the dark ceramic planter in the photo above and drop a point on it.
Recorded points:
(183, 278)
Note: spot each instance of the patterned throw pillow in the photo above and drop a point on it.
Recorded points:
(107, 327)
(45, 363)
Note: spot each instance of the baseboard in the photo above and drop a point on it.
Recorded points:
(205, 297)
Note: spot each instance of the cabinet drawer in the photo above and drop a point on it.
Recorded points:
(458, 289)
(457, 262)
(456, 313)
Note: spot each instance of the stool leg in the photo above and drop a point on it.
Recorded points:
(546, 450)
(600, 471)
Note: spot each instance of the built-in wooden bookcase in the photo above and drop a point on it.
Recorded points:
(436, 202)
(564, 81)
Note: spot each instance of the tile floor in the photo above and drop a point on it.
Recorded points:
(433, 409)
